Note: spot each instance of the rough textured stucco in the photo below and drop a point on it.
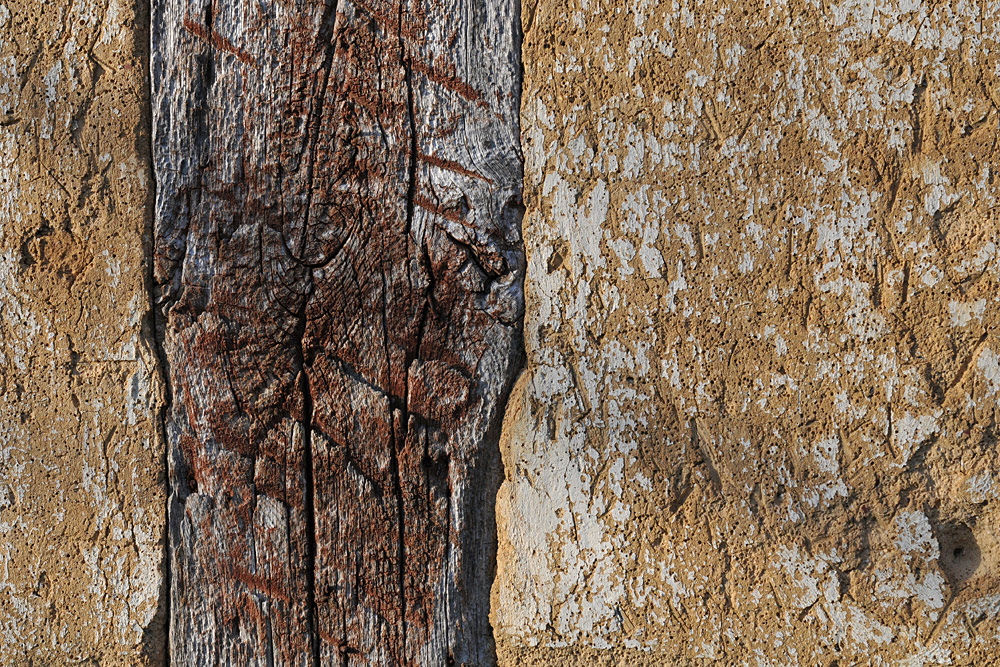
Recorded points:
(758, 423)
(81, 498)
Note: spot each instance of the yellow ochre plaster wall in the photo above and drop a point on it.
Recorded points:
(758, 422)
(82, 504)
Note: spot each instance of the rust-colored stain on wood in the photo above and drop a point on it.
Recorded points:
(218, 41)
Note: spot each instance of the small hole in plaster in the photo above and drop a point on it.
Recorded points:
(960, 555)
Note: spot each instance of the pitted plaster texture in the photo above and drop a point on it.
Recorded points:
(82, 503)
(758, 423)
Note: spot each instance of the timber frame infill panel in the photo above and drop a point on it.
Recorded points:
(339, 284)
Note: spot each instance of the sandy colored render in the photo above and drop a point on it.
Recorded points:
(758, 423)
(82, 502)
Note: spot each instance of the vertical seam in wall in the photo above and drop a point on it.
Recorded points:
(520, 365)
(153, 327)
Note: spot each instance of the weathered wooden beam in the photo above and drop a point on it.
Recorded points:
(339, 267)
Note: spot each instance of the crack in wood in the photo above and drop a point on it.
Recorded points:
(309, 488)
(405, 61)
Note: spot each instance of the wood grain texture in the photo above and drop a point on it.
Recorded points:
(340, 267)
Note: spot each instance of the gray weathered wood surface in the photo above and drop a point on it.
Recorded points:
(339, 268)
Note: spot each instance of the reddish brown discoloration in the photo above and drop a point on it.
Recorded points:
(451, 165)
(218, 41)
(451, 214)
(448, 79)
(339, 358)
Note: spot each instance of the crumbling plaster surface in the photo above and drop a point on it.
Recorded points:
(81, 491)
(758, 422)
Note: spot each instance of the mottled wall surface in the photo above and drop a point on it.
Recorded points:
(758, 423)
(82, 506)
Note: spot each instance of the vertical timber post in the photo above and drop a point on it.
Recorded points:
(339, 269)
